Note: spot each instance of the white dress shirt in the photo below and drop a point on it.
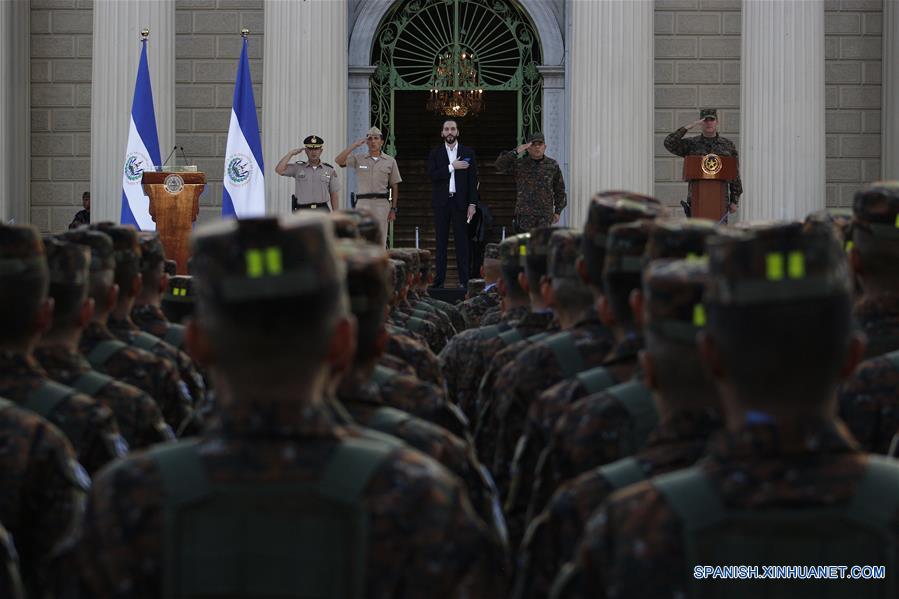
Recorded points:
(452, 153)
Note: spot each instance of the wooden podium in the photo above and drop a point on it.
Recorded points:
(174, 205)
(708, 176)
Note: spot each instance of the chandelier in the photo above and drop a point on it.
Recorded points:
(456, 92)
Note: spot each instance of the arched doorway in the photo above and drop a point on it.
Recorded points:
(488, 48)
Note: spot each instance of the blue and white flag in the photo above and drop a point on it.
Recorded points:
(142, 152)
(244, 190)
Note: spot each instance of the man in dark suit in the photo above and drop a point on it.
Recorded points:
(454, 175)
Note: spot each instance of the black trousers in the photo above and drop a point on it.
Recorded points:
(444, 217)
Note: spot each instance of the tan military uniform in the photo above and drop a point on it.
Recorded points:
(314, 184)
(374, 175)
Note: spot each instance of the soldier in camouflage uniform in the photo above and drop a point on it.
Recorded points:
(427, 330)
(147, 311)
(424, 280)
(539, 186)
(254, 277)
(585, 344)
(108, 355)
(688, 403)
(177, 303)
(367, 286)
(43, 490)
(413, 304)
(127, 277)
(26, 311)
(784, 458)
(588, 420)
(476, 305)
(707, 143)
(868, 400)
(139, 418)
(475, 286)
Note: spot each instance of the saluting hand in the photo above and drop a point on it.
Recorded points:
(360, 142)
(460, 165)
(522, 148)
(694, 123)
(296, 151)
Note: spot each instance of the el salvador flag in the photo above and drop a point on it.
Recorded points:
(244, 190)
(142, 152)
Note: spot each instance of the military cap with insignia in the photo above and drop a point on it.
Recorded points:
(374, 132)
(491, 251)
(152, 253)
(367, 275)
(538, 137)
(625, 247)
(178, 301)
(68, 263)
(564, 252)
(313, 141)
(673, 298)
(171, 267)
(475, 286)
(100, 244)
(776, 264)
(22, 254)
(876, 210)
(513, 250)
(708, 113)
(679, 239)
(125, 243)
(839, 219)
(606, 209)
(271, 258)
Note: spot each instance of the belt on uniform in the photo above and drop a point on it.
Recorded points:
(296, 205)
(372, 196)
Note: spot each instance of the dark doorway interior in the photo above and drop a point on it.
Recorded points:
(418, 131)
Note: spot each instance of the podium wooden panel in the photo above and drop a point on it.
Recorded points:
(174, 208)
(708, 176)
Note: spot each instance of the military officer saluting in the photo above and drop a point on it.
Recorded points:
(317, 182)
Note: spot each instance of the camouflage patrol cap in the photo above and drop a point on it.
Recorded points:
(536, 137)
(625, 247)
(125, 243)
(367, 225)
(607, 209)
(777, 264)
(876, 209)
(22, 254)
(838, 219)
(398, 274)
(178, 302)
(491, 251)
(679, 239)
(405, 256)
(100, 244)
(68, 263)
(271, 258)
(476, 286)
(564, 252)
(151, 251)
(171, 268)
(346, 226)
(513, 250)
(673, 298)
(535, 262)
(424, 256)
(708, 113)
(367, 268)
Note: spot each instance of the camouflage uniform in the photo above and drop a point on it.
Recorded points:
(700, 146)
(422, 535)
(869, 402)
(672, 290)
(128, 255)
(159, 378)
(476, 304)
(396, 317)
(539, 188)
(150, 317)
(421, 399)
(416, 354)
(475, 286)
(763, 471)
(90, 427)
(492, 316)
(42, 491)
(451, 310)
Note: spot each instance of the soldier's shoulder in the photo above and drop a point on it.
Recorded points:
(25, 431)
(330, 166)
(598, 411)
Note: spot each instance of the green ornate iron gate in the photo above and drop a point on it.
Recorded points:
(418, 39)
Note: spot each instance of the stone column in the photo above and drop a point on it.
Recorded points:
(890, 114)
(554, 122)
(15, 100)
(305, 70)
(611, 95)
(116, 51)
(782, 124)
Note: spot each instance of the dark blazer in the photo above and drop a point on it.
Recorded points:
(466, 180)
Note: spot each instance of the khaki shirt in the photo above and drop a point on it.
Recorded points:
(374, 175)
(314, 184)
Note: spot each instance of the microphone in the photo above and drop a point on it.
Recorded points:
(168, 157)
(184, 156)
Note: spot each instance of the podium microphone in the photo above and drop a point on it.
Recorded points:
(184, 156)
(168, 157)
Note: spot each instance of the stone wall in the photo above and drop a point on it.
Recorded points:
(697, 65)
(60, 109)
(207, 49)
(853, 50)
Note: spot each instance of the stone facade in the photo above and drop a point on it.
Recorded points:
(207, 49)
(853, 48)
(60, 109)
(697, 65)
